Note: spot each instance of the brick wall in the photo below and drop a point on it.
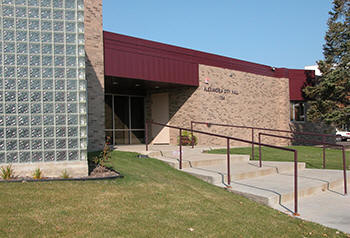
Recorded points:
(94, 73)
(246, 99)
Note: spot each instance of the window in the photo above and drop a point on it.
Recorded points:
(297, 111)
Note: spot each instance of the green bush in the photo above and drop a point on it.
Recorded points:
(7, 172)
(186, 138)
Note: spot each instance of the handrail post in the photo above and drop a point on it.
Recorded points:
(146, 135)
(296, 183)
(252, 143)
(228, 163)
(344, 169)
(260, 164)
(180, 149)
(192, 141)
(324, 152)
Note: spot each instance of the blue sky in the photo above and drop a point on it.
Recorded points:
(274, 32)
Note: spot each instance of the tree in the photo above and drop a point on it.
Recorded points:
(329, 95)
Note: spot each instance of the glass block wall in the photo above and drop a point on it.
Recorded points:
(42, 81)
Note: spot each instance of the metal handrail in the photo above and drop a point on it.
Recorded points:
(330, 144)
(267, 129)
(228, 138)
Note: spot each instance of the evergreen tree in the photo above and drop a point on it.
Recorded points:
(329, 95)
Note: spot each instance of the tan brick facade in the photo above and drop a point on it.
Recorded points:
(234, 97)
(94, 73)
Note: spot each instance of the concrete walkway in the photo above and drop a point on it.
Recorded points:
(320, 192)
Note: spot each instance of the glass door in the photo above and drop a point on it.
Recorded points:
(124, 119)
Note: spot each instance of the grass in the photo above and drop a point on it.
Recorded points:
(153, 200)
(312, 156)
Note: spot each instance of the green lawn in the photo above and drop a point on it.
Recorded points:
(153, 200)
(312, 156)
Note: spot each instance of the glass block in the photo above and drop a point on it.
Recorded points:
(9, 60)
(49, 131)
(81, 74)
(59, 84)
(81, 50)
(46, 14)
(59, 49)
(11, 133)
(36, 120)
(47, 49)
(72, 120)
(81, 38)
(33, 2)
(21, 2)
(37, 156)
(22, 72)
(81, 61)
(23, 132)
(10, 108)
(35, 84)
(71, 85)
(49, 120)
(48, 108)
(71, 49)
(8, 11)
(21, 12)
(46, 37)
(73, 155)
(73, 143)
(1, 108)
(59, 72)
(47, 84)
(22, 48)
(83, 144)
(47, 96)
(70, 15)
(45, 3)
(2, 133)
(47, 72)
(24, 157)
(2, 120)
(60, 120)
(35, 72)
(71, 38)
(83, 121)
(59, 96)
(58, 26)
(35, 109)
(61, 144)
(35, 96)
(60, 108)
(34, 25)
(70, 27)
(11, 145)
(8, 23)
(2, 145)
(2, 157)
(81, 16)
(22, 60)
(1, 96)
(10, 96)
(24, 144)
(61, 155)
(58, 4)
(72, 96)
(36, 132)
(71, 61)
(72, 108)
(34, 48)
(59, 61)
(80, 4)
(10, 84)
(58, 37)
(71, 73)
(21, 36)
(9, 72)
(49, 156)
(22, 84)
(81, 27)
(23, 120)
(12, 157)
(34, 60)
(33, 12)
(58, 14)
(21, 24)
(36, 144)
(23, 108)
(46, 60)
(82, 97)
(60, 131)
(72, 131)
(9, 47)
(11, 120)
(34, 36)
(49, 144)
(9, 35)
(23, 96)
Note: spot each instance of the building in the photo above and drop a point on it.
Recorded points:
(67, 86)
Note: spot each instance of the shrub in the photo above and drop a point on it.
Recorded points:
(37, 174)
(65, 174)
(186, 138)
(104, 156)
(7, 172)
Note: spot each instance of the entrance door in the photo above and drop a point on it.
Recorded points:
(160, 113)
(124, 119)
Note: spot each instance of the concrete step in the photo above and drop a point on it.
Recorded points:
(277, 189)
